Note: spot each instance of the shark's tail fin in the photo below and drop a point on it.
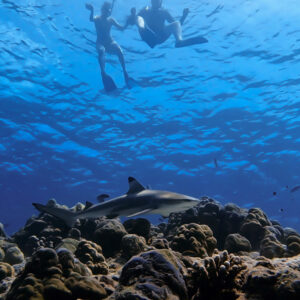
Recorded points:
(67, 216)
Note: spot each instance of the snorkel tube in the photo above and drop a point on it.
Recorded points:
(112, 5)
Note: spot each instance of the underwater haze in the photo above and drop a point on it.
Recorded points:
(218, 119)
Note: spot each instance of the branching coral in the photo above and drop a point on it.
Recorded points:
(216, 277)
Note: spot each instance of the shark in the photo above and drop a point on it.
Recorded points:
(137, 201)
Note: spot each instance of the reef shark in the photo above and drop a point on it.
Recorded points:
(137, 201)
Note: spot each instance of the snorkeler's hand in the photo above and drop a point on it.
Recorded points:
(89, 6)
(185, 12)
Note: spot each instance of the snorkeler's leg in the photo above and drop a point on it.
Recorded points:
(101, 58)
(108, 83)
(175, 29)
(146, 34)
(116, 50)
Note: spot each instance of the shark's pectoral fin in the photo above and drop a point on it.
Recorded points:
(142, 212)
(134, 186)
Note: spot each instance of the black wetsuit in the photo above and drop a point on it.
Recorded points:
(154, 31)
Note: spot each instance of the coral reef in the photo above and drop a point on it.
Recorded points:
(138, 226)
(209, 252)
(133, 244)
(6, 272)
(152, 275)
(292, 239)
(194, 240)
(90, 254)
(274, 279)
(109, 234)
(10, 253)
(51, 275)
(160, 243)
(235, 243)
(217, 277)
(271, 247)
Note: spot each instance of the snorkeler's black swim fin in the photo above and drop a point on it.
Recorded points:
(109, 84)
(191, 41)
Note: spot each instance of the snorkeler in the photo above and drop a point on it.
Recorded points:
(105, 43)
(153, 30)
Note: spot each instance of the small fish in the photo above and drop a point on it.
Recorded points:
(281, 210)
(274, 193)
(101, 198)
(216, 163)
(295, 189)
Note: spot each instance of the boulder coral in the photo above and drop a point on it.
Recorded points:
(7, 274)
(152, 275)
(139, 226)
(54, 275)
(292, 239)
(10, 253)
(235, 243)
(194, 240)
(90, 254)
(109, 234)
(132, 245)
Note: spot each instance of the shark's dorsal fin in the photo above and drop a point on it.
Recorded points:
(134, 186)
(88, 205)
(101, 198)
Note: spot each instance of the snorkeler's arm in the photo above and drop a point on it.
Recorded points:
(184, 15)
(118, 25)
(168, 17)
(131, 20)
(91, 9)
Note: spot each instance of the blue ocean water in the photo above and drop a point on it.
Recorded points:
(219, 119)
